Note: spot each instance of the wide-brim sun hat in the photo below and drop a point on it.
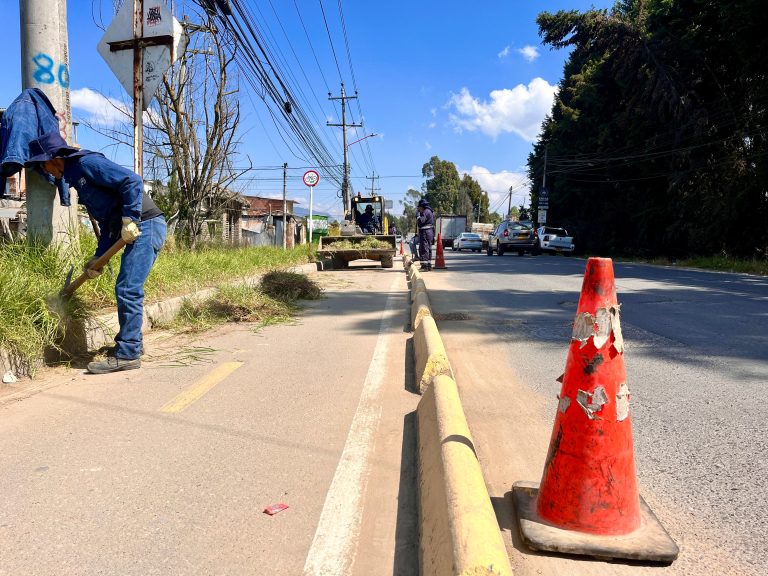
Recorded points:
(48, 147)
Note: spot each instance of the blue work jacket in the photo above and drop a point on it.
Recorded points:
(109, 192)
(28, 117)
(426, 219)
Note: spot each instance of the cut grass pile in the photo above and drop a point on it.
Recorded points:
(289, 287)
(273, 302)
(368, 243)
(32, 317)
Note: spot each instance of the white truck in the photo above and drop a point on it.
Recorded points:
(450, 226)
(555, 240)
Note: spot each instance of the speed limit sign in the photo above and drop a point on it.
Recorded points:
(311, 178)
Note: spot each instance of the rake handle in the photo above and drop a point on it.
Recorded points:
(102, 260)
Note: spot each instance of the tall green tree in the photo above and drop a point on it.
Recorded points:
(656, 142)
(442, 184)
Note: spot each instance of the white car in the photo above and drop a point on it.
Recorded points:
(555, 240)
(468, 241)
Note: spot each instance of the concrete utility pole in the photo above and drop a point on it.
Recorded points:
(544, 176)
(373, 179)
(509, 207)
(285, 205)
(345, 183)
(45, 65)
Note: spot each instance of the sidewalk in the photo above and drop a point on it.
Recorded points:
(166, 470)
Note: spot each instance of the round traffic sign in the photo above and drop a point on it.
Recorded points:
(311, 178)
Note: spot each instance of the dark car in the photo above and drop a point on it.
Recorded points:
(511, 236)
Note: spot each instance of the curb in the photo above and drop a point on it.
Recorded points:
(459, 534)
(431, 359)
(419, 309)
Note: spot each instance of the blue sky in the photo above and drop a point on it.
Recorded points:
(466, 81)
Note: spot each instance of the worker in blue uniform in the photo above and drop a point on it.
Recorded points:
(114, 196)
(426, 225)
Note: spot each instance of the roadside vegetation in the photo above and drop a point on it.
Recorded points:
(756, 266)
(32, 317)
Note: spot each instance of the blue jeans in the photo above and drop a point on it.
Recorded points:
(138, 259)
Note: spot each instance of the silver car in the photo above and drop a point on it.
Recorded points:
(512, 236)
(468, 241)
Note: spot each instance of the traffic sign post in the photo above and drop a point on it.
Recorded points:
(139, 46)
(543, 205)
(311, 178)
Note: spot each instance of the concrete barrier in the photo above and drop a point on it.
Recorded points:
(431, 359)
(460, 535)
(417, 286)
(419, 309)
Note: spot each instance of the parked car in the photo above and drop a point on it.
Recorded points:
(511, 236)
(555, 240)
(468, 241)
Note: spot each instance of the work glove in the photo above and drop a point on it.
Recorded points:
(90, 272)
(130, 231)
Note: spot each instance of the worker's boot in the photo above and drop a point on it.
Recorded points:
(113, 364)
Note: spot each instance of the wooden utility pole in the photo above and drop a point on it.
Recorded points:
(285, 205)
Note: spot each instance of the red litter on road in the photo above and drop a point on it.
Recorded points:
(275, 508)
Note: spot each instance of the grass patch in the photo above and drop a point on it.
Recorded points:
(180, 271)
(31, 315)
(289, 287)
(33, 319)
(757, 266)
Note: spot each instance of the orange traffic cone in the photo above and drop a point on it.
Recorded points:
(588, 502)
(440, 257)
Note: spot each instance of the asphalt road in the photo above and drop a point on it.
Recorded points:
(697, 366)
(167, 470)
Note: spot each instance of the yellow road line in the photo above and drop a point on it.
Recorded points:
(200, 388)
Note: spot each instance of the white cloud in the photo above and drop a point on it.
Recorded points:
(504, 53)
(433, 111)
(100, 109)
(432, 125)
(497, 185)
(530, 53)
(520, 110)
(427, 145)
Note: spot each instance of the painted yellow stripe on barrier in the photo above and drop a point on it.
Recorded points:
(200, 388)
